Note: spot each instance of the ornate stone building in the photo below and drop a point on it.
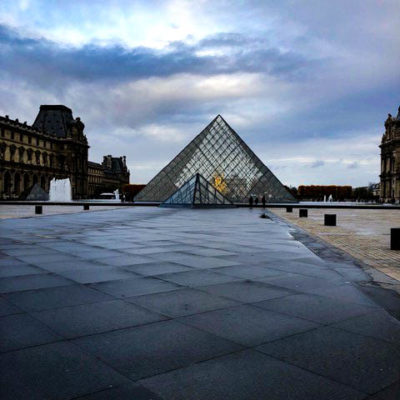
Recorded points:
(390, 160)
(111, 174)
(53, 147)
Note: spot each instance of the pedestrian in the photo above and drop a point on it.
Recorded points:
(256, 201)
(251, 201)
(263, 200)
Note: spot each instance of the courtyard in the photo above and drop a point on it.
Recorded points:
(151, 303)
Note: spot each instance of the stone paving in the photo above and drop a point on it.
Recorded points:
(364, 234)
(24, 211)
(149, 303)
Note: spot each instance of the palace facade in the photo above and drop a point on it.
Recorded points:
(55, 146)
(111, 174)
(390, 160)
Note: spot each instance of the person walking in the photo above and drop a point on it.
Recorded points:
(256, 201)
(251, 201)
(263, 200)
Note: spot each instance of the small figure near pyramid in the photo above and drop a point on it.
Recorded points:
(197, 192)
(222, 159)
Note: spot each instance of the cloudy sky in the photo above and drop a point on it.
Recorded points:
(306, 83)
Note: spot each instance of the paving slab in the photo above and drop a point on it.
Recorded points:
(88, 319)
(19, 270)
(247, 375)
(7, 308)
(125, 392)
(247, 291)
(134, 287)
(155, 348)
(56, 297)
(27, 282)
(362, 362)
(248, 325)
(378, 324)
(323, 310)
(53, 371)
(197, 278)
(157, 268)
(182, 302)
(21, 330)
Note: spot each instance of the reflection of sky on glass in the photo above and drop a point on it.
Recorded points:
(307, 85)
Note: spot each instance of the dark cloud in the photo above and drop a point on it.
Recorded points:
(42, 61)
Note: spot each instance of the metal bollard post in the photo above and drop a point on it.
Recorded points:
(289, 209)
(395, 239)
(86, 207)
(38, 210)
(303, 213)
(330, 219)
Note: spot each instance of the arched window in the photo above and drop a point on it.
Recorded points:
(29, 153)
(12, 152)
(3, 147)
(17, 183)
(7, 183)
(37, 154)
(21, 152)
(26, 182)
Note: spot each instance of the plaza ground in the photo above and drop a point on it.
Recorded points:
(150, 303)
(22, 211)
(364, 234)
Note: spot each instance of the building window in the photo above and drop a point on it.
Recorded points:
(12, 152)
(29, 153)
(21, 154)
(12, 135)
(29, 139)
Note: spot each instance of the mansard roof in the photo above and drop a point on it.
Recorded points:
(56, 120)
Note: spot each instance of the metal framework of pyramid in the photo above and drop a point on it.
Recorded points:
(223, 159)
(197, 192)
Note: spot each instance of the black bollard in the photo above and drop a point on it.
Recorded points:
(303, 213)
(38, 209)
(395, 239)
(289, 209)
(330, 219)
(86, 207)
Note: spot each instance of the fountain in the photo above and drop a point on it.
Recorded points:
(116, 194)
(60, 190)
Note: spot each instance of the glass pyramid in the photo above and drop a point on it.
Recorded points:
(225, 161)
(197, 192)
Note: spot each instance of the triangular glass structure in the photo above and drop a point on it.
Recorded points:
(223, 159)
(197, 192)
